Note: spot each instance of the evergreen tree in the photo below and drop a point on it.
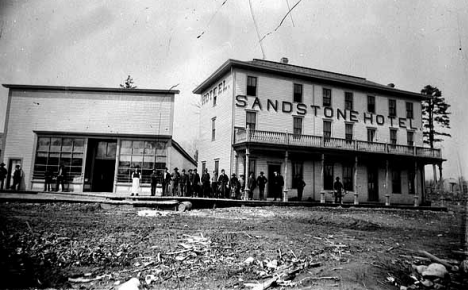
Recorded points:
(434, 116)
(128, 84)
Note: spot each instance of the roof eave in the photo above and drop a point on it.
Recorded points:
(90, 89)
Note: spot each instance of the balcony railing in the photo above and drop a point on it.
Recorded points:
(278, 138)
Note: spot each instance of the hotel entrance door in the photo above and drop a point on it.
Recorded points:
(373, 183)
(271, 177)
(100, 164)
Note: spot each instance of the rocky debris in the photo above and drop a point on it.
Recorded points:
(435, 270)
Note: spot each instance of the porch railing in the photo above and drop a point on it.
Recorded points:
(267, 137)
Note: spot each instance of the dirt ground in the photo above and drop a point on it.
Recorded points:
(93, 246)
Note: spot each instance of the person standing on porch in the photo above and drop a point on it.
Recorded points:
(214, 184)
(189, 183)
(196, 183)
(234, 186)
(60, 178)
(251, 184)
(183, 183)
(205, 183)
(175, 182)
(17, 177)
(166, 182)
(48, 178)
(3, 175)
(261, 181)
(223, 181)
(154, 182)
(338, 187)
(300, 184)
(136, 177)
(278, 183)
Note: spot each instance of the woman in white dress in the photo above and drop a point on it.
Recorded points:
(136, 177)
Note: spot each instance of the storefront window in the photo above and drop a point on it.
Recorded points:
(54, 151)
(148, 155)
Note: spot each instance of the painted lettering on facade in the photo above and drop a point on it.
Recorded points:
(214, 92)
(328, 112)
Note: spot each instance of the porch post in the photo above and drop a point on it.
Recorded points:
(387, 194)
(285, 188)
(247, 174)
(356, 194)
(440, 171)
(322, 189)
(416, 187)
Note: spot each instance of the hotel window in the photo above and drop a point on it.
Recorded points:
(327, 97)
(297, 126)
(216, 167)
(213, 129)
(348, 101)
(411, 175)
(54, 151)
(393, 136)
(146, 154)
(214, 97)
(396, 181)
(349, 133)
(328, 176)
(371, 104)
(251, 86)
(298, 93)
(297, 171)
(392, 108)
(409, 110)
(410, 138)
(251, 120)
(327, 130)
(371, 134)
(348, 177)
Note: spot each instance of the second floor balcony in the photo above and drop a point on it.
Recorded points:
(310, 141)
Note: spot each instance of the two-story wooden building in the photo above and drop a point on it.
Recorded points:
(98, 134)
(273, 116)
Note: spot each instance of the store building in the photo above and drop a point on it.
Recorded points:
(272, 116)
(98, 134)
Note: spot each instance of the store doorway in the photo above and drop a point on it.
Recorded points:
(100, 164)
(373, 183)
(271, 177)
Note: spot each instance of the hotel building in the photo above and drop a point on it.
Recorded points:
(273, 116)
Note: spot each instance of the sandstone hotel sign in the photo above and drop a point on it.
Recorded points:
(302, 109)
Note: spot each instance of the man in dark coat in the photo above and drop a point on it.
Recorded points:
(17, 177)
(261, 181)
(300, 184)
(278, 183)
(223, 181)
(189, 183)
(3, 175)
(183, 183)
(166, 182)
(234, 186)
(338, 187)
(61, 176)
(251, 184)
(196, 183)
(175, 182)
(205, 183)
(214, 184)
(154, 182)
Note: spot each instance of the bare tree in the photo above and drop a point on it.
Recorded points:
(128, 84)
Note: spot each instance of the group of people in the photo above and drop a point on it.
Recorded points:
(191, 184)
(17, 175)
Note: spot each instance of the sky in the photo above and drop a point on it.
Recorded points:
(169, 43)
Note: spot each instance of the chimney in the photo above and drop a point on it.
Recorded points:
(284, 60)
(392, 85)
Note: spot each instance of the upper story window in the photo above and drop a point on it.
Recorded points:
(297, 126)
(371, 104)
(298, 93)
(327, 97)
(327, 130)
(409, 110)
(213, 129)
(215, 95)
(349, 132)
(410, 138)
(251, 86)
(348, 101)
(251, 120)
(393, 136)
(371, 134)
(392, 108)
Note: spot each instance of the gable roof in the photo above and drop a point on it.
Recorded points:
(89, 89)
(304, 73)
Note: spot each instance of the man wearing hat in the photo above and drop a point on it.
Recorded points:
(17, 177)
(3, 175)
(175, 182)
(195, 183)
(261, 181)
(205, 179)
(166, 182)
(183, 183)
